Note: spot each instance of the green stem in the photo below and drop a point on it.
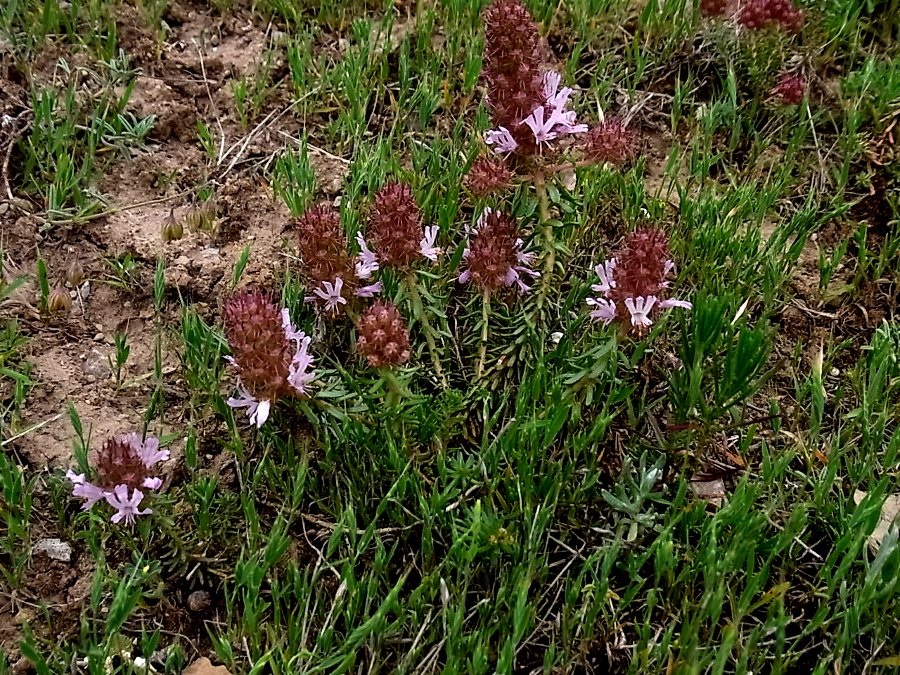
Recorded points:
(412, 284)
(540, 187)
(395, 389)
(482, 350)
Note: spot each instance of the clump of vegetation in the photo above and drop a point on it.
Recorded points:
(489, 337)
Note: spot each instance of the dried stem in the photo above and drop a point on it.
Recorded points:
(412, 285)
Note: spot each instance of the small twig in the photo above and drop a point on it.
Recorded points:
(314, 149)
(331, 527)
(27, 431)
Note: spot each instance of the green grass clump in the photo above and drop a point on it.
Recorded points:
(531, 491)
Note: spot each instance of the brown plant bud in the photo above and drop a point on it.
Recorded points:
(488, 174)
(75, 273)
(493, 251)
(611, 142)
(395, 226)
(193, 218)
(383, 337)
(172, 229)
(59, 301)
(261, 350)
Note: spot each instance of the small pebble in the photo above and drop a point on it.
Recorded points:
(199, 601)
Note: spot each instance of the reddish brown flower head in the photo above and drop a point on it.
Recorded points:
(383, 337)
(323, 245)
(714, 7)
(493, 251)
(487, 175)
(261, 350)
(759, 14)
(612, 142)
(642, 265)
(790, 89)
(511, 69)
(395, 226)
(323, 250)
(119, 462)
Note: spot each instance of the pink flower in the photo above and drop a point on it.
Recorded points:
(494, 255)
(87, 491)
(123, 464)
(640, 310)
(427, 247)
(636, 279)
(672, 302)
(366, 260)
(271, 354)
(257, 411)
(126, 509)
(605, 272)
(370, 291)
(330, 292)
(501, 140)
(606, 309)
(559, 121)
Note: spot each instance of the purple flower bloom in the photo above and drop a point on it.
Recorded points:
(605, 272)
(123, 464)
(501, 140)
(330, 292)
(427, 247)
(271, 355)
(635, 279)
(559, 120)
(640, 310)
(126, 508)
(366, 260)
(257, 411)
(493, 255)
(606, 309)
(370, 291)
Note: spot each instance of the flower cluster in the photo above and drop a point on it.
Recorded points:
(634, 282)
(790, 89)
(511, 66)
(395, 229)
(487, 175)
(611, 142)
(529, 109)
(383, 338)
(547, 122)
(760, 14)
(494, 257)
(271, 356)
(327, 266)
(124, 469)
